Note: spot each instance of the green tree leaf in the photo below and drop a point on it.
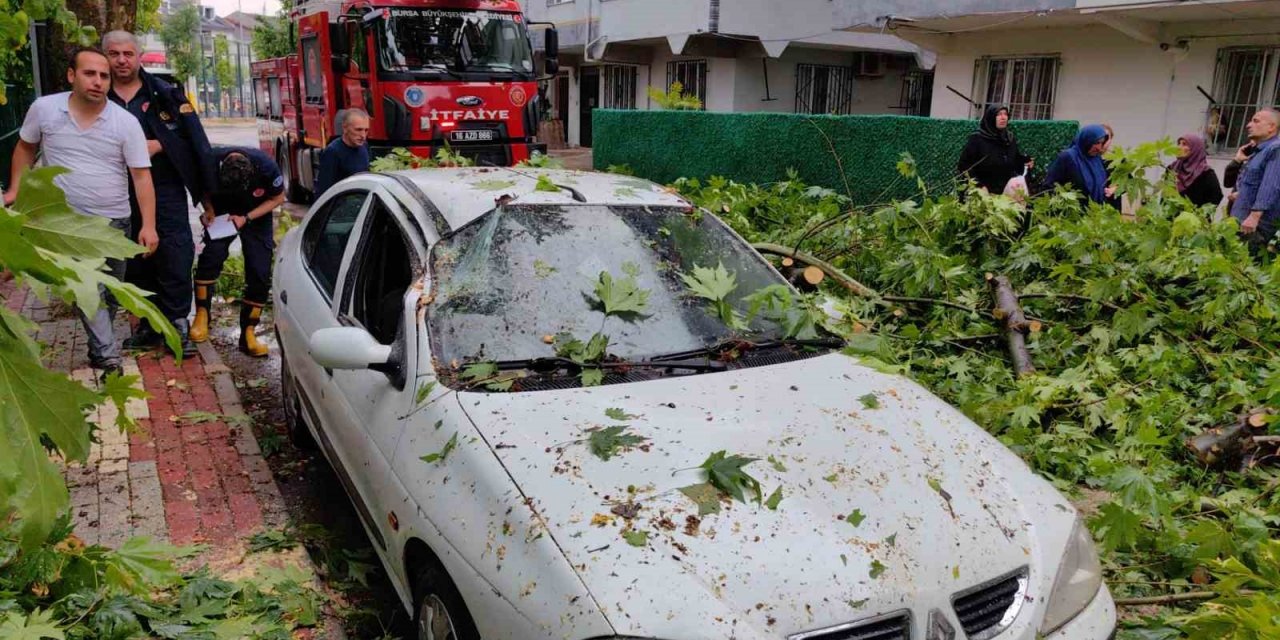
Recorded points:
(591, 377)
(1120, 527)
(869, 401)
(443, 454)
(618, 414)
(19, 255)
(712, 284)
(609, 441)
(38, 625)
(52, 225)
(622, 296)
(855, 518)
(479, 371)
(423, 392)
(726, 474)
(705, 495)
(636, 538)
(545, 184)
(119, 390)
(141, 565)
(774, 499)
(877, 568)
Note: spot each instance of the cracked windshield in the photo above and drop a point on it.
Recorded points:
(540, 281)
(425, 40)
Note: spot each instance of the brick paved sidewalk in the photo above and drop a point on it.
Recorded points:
(198, 479)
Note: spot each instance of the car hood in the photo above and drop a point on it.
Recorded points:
(890, 498)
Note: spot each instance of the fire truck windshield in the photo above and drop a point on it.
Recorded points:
(453, 42)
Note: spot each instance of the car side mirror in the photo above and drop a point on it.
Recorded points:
(348, 348)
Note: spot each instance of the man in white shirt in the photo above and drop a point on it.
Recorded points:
(103, 145)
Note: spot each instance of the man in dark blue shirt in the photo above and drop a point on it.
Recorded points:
(179, 167)
(347, 155)
(249, 189)
(1257, 199)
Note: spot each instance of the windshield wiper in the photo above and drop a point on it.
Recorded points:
(555, 363)
(724, 346)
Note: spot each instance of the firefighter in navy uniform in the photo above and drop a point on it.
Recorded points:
(249, 188)
(179, 166)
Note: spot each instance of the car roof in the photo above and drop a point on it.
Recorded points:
(464, 194)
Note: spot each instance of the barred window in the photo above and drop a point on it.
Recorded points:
(1027, 85)
(1246, 79)
(619, 86)
(824, 89)
(692, 75)
(915, 97)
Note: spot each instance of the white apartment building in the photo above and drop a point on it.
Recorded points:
(735, 55)
(1150, 69)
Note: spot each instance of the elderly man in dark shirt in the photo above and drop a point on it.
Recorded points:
(347, 155)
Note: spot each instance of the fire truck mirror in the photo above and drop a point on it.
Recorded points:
(338, 40)
(551, 41)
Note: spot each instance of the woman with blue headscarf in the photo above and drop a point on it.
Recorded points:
(1080, 166)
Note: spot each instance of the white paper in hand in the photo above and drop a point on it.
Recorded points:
(222, 227)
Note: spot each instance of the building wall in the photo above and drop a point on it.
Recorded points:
(637, 30)
(848, 14)
(1141, 91)
(870, 94)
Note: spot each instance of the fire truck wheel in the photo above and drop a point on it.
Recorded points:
(292, 191)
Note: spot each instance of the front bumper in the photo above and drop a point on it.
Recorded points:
(1096, 622)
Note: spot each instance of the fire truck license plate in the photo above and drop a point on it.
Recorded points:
(477, 135)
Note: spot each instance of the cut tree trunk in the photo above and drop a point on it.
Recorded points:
(1226, 447)
(816, 268)
(1015, 324)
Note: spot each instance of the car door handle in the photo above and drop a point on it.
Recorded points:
(284, 297)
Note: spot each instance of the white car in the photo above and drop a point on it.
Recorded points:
(436, 329)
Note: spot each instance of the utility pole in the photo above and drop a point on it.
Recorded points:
(239, 43)
(213, 62)
(35, 58)
(204, 77)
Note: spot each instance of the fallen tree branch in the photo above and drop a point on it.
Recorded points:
(930, 301)
(1174, 598)
(1015, 322)
(1225, 447)
(1088, 403)
(1068, 296)
(830, 270)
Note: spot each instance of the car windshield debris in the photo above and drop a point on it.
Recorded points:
(598, 287)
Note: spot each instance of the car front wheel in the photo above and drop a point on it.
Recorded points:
(439, 613)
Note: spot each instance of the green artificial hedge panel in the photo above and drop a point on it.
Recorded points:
(760, 147)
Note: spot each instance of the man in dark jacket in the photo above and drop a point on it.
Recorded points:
(249, 189)
(348, 154)
(179, 166)
(991, 156)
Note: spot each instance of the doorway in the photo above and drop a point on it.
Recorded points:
(589, 97)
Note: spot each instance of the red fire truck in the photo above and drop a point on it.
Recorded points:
(428, 72)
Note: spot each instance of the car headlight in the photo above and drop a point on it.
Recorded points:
(1079, 577)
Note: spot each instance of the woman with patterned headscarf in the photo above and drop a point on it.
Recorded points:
(1195, 178)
